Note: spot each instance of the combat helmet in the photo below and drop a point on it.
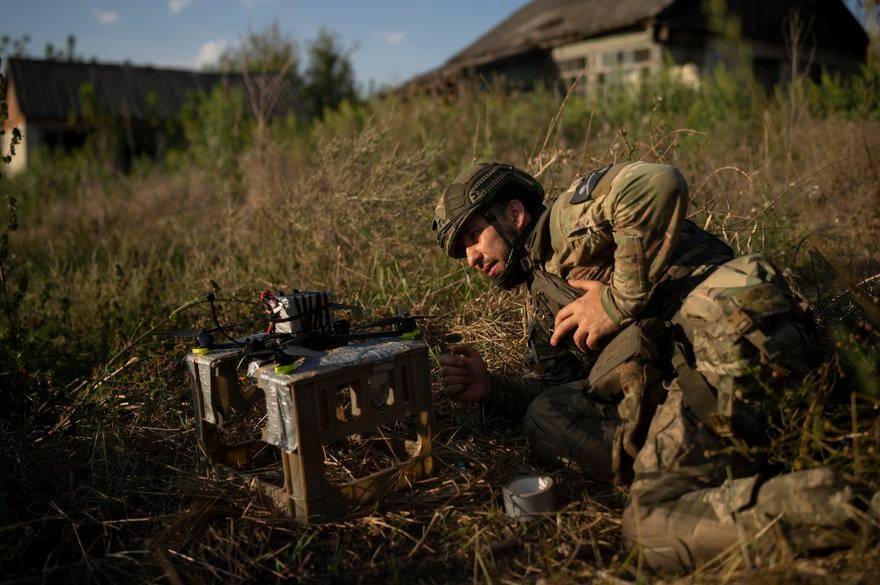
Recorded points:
(473, 191)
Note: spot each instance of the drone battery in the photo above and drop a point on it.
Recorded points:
(303, 311)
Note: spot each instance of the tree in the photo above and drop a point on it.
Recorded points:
(14, 46)
(67, 53)
(330, 75)
(267, 51)
(269, 63)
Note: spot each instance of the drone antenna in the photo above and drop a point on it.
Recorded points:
(220, 327)
(265, 297)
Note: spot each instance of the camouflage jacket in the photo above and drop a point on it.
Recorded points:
(623, 225)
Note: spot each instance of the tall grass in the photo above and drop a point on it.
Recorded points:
(345, 204)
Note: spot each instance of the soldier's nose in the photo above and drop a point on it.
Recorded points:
(472, 256)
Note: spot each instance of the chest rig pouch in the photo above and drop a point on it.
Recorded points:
(631, 370)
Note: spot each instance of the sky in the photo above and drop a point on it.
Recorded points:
(390, 40)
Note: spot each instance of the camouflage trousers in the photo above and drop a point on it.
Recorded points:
(693, 497)
(566, 426)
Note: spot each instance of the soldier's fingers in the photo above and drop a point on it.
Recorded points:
(580, 338)
(563, 314)
(561, 330)
(452, 360)
(454, 371)
(454, 390)
(592, 341)
(584, 284)
(456, 380)
(463, 349)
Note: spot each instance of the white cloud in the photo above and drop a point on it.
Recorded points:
(210, 51)
(395, 37)
(249, 5)
(175, 6)
(106, 17)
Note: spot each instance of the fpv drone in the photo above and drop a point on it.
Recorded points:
(300, 324)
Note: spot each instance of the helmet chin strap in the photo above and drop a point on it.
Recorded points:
(514, 272)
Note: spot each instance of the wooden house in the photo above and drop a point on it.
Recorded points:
(558, 41)
(45, 100)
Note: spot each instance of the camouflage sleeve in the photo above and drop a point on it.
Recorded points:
(511, 397)
(647, 205)
(551, 365)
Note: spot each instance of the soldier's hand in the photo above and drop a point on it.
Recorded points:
(465, 376)
(585, 317)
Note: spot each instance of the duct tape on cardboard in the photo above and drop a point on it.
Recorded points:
(207, 398)
(196, 388)
(371, 352)
(280, 427)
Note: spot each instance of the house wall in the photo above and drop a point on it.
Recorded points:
(692, 56)
(619, 56)
(16, 120)
(522, 72)
(771, 63)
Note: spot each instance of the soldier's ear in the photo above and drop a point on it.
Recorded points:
(517, 214)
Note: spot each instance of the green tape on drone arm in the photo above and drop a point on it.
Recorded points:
(411, 335)
(286, 369)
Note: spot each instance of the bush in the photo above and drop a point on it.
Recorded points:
(217, 129)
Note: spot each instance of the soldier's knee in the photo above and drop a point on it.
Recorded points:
(629, 524)
(676, 537)
(660, 549)
(542, 432)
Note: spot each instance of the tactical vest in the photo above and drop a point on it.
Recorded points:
(695, 253)
(630, 369)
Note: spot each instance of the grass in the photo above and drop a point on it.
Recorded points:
(100, 476)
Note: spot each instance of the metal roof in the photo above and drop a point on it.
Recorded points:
(51, 89)
(543, 23)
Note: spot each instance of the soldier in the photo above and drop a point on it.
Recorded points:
(654, 349)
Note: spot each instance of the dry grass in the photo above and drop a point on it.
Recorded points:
(116, 493)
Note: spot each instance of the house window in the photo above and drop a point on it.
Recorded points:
(575, 65)
(642, 55)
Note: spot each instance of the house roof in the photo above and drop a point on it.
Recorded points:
(51, 89)
(543, 23)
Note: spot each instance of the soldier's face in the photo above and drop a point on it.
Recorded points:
(483, 246)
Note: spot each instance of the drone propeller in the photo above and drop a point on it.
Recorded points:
(203, 337)
(300, 351)
(182, 333)
(388, 321)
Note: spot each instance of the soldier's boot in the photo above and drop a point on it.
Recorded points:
(809, 511)
(795, 513)
(564, 427)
